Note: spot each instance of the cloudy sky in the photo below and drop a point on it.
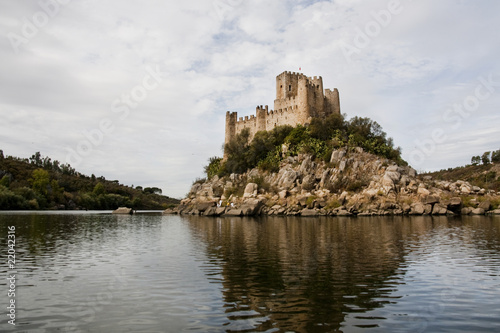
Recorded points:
(137, 90)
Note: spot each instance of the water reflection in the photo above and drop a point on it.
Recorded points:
(82, 272)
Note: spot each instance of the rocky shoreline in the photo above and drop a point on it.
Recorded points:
(353, 183)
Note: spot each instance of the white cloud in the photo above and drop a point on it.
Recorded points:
(224, 55)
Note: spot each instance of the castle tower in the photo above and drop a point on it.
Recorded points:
(298, 99)
(332, 102)
(292, 93)
(316, 99)
(261, 118)
(231, 118)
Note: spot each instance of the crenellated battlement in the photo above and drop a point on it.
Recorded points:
(299, 98)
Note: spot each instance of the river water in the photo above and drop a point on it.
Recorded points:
(96, 272)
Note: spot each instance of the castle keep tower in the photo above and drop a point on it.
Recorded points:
(298, 99)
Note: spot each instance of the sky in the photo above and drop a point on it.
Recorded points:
(137, 91)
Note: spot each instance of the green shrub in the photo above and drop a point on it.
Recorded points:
(214, 167)
(261, 183)
(319, 139)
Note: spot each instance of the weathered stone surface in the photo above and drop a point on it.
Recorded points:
(343, 197)
(287, 180)
(210, 211)
(282, 194)
(251, 207)
(478, 211)
(486, 205)
(423, 191)
(439, 210)
(308, 182)
(250, 190)
(344, 212)
(124, 210)
(417, 209)
(202, 206)
(233, 212)
(309, 212)
(455, 203)
(494, 212)
(220, 211)
(431, 199)
(337, 155)
(342, 165)
(466, 211)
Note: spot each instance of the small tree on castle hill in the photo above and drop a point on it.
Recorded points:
(485, 158)
(475, 160)
(495, 156)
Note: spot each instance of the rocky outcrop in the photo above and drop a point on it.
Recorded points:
(124, 210)
(352, 183)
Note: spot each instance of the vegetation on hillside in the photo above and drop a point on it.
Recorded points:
(484, 171)
(40, 183)
(320, 138)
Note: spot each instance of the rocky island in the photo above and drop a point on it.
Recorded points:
(324, 165)
(371, 186)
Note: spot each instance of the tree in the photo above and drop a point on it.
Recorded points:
(213, 167)
(495, 156)
(5, 181)
(36, 159)
(475, 160)
(99, 189)
(40, 181)
(153, 190)
(236, 150)
(325, 129)
(486, 157)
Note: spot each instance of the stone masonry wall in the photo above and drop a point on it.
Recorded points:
(298, 99)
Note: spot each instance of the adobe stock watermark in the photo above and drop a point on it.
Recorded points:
(372, 29)
(224, 7)
(454, 118)
(121, 107)
(31, 26)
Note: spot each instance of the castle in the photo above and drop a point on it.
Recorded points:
(298, 99)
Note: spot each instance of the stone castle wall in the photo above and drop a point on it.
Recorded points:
(298, 99)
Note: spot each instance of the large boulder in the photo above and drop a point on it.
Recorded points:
(466, 210)
(337, 155)
(307, 166)
(309, 212)
(431, 200)
(486, 205)
(455, 204)
(423, 191)
(439, 210)
(203, 206)
(210, 211)
(308, 182)
(478, 211)
(417, 209)
(251, 207)
(233, 212)
(123, 210)
(250, 190)
(287, 179)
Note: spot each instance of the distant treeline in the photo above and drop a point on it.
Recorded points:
(483, 171)
(40, 183)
